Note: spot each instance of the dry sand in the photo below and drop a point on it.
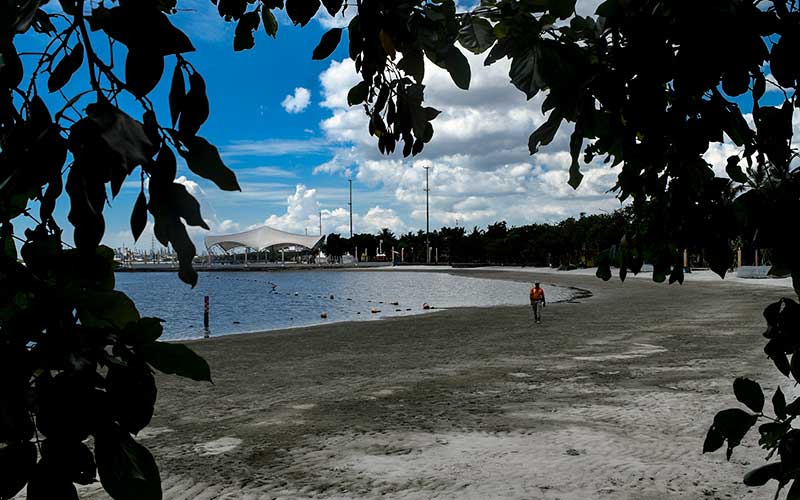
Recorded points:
(609, 398)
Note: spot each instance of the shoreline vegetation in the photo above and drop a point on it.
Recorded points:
(609, 398)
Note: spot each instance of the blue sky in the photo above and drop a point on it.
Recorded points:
(281, 122)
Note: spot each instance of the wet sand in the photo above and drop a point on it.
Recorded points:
(609, 398)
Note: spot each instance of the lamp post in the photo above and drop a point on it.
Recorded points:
(427, 216)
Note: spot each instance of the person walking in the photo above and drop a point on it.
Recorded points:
(537, 302)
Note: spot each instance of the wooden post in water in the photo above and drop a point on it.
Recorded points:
(206, 311)
(739, 257)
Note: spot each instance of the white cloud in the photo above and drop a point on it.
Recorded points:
(275, 147)
(481, 170)
(304, 207)
(297, 102)
(266, 171)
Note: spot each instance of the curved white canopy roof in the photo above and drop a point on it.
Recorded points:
(261, 238)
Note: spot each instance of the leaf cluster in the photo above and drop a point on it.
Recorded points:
(777, 433)
(76, 358)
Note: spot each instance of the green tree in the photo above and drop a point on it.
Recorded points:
(335, 245)
(647, 85)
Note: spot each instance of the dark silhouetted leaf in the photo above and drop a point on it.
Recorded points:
(732, 425)
(143, 70)
(127, 470)
(302, 11)
(476, 34)
(108, 308)
(139, 216)
(714, 440)
(330, 40)
(132, 395)
(177, 94)
(186, 206)
(575, 145)
(270, 23)
(546, 132)
(204, 160)
(525, 72)
(413, 64)
(749, 393)
(64, 70)
(761, 475)
(358, 94)
(122, 134)
(779, 404)
(734, 170)
(458, 67)
(195, 110)
(243, 38)
(177, 359)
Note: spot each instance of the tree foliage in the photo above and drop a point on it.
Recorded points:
(645, 86)
(571, 242)
(76, 358)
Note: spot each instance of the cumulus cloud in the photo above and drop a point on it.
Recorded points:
(304, 208)
(480, 167)
(297, 102)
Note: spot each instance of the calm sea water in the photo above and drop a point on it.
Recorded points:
(258, 301)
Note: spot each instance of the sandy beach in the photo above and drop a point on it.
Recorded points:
(609, 398)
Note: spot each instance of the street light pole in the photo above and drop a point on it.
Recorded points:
(427, 217)
(350, 181)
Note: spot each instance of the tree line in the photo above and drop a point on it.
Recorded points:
(572, 241)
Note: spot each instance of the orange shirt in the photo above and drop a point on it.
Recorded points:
(537, 294)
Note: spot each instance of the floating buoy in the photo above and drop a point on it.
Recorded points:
(394, 303)
(331, 296)
(358, 312)
(397, 310)
(349, 299)
(426, 306)
(408, 309)
(374, 310)
(236, 323)
(323, 315)
(296, 294)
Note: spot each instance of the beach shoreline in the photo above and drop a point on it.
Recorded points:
(609, 398)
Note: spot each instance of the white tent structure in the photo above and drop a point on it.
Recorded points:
(262, 238)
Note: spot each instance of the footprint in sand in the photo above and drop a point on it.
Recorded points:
(519, 375)
(218, 446)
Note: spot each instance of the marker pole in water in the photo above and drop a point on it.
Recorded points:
(206, 309)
